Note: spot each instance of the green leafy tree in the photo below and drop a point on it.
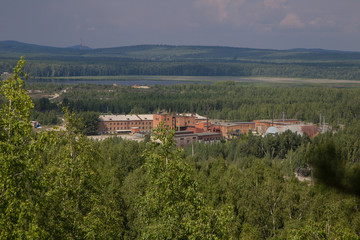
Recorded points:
(20, 164)
(90, 122)
(322, 231)
(172, 207)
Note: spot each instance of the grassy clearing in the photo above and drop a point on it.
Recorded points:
(256, 81)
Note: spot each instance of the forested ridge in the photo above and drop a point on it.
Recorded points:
(180, 61)
(62, 185)
(225, 100)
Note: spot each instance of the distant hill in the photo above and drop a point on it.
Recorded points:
(79, 47)
(45, 61)
(11, 49)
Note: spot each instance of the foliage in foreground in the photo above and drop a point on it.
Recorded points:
(60, 185)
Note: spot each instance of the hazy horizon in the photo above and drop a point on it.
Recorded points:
(260, 24)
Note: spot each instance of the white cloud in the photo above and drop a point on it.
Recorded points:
(321, 23)
(292, 20)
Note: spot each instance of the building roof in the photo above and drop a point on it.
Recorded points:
(197, 116)
(277, 120)
(230, 124)
(133, 117)
(146, 116)
(207, 134)
(299, 129)
(186, 135)
(183, 132)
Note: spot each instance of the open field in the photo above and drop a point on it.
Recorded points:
(256, 81)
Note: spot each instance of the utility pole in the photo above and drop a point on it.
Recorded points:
(207, 114)
(192, 149)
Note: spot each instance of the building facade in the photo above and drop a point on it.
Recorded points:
(262, 125)
(231, 129)
(184, 121)
(183, 140)
(168, 120)
(209, 137)
(111, 124)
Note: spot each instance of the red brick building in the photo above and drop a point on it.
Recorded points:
(231, 129)
(184, 138)
(177, 121)
(209, 137)
(184, 120)
(110, 124)
(262, 125)
(168, 119)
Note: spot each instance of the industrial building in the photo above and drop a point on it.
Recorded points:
(184, 138)
(262, 125)
(193, 127)
(310, 130)
(230, 129)
(111, 124)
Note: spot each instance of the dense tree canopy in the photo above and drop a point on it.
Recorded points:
(62, 185)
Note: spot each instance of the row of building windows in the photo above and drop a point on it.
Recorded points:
(123, 128)
(128, 123)
(157, 119)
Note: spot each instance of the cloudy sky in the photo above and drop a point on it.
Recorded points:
(273, 24)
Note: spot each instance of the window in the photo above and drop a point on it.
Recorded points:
(117, 123)
(181, 138)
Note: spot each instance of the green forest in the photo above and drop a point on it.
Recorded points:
(225, 100)
(49, 62)
(63, 185)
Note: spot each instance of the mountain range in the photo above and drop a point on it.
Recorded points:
(14, 49)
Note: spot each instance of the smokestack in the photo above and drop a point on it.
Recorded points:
(207, 114)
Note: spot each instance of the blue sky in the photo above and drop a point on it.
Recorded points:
(270, 24)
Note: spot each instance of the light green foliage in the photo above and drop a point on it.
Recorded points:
(48, 184)
(61, 185)
(71, 180)
(323, 231)
(172, 207)
(90, 123)
(20, 179)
